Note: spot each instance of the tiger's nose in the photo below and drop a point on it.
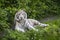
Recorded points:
(21, 18)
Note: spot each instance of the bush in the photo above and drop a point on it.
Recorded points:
(36, 9)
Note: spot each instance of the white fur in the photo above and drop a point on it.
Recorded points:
(22, 23)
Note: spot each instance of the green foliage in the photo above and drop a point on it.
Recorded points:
(51, 32)
(36, 9)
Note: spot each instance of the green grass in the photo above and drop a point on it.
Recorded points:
(52, 32)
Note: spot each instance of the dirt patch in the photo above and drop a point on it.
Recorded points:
(50, 18)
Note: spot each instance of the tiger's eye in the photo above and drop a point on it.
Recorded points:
(17, 17)
(19, 14)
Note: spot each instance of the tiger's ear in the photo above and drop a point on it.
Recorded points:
(25, 14)
(16, 17)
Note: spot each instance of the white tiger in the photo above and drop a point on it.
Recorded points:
(22, 23)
